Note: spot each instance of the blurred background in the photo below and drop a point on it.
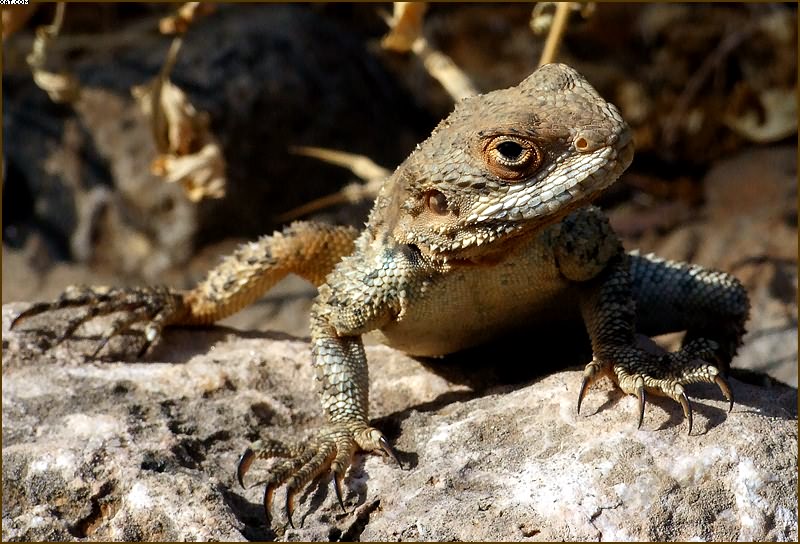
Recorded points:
(141, 142)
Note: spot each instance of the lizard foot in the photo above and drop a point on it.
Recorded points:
(155, 306)
(331, 450)
(638, 372)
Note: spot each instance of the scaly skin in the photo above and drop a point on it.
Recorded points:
(486, 227)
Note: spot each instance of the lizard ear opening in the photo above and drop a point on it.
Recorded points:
(436, 202)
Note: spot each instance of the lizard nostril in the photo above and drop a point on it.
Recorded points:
(590, 139)
(436, 202)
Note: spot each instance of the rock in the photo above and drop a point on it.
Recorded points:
(146, 450)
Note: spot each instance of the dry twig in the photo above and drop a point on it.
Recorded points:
(714, 60)
(187, 14)
(189, 153)
(61, 86)
(555, 24)
(406, 35)
(363, 167)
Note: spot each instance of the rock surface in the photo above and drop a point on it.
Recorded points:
(146, 450)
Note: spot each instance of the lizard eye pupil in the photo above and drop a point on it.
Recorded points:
(436, 202)
(510, 150)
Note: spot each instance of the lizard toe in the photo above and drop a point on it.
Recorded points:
(331, 451)
(154, 307)
(371, 439)
(593, 371)
(640, 372)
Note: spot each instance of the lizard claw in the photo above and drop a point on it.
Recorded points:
(582, 393)
(722, 383)
(389, 451)
(36, 309)
(269, 491)
(338, 480)
(590, 375)
(290, 508)
(99, 348)
(145, 347)
(640, 394)
(245, 460)
(687, 408)
(74, 295)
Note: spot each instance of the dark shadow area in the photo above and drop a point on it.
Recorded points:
(179, 344)
(521, 359)
(250, 514)
(516, 358)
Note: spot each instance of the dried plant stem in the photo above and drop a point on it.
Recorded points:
(557, 29)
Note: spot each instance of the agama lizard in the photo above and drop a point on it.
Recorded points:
(487, 225)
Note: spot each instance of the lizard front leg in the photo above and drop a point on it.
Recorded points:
(676, 296)
(608, 308)
(337, 324)
(341, 370)
(589, 254)
(310, 250)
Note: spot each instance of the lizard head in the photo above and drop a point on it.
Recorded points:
(506, 163)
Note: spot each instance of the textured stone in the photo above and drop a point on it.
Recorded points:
(146, 450)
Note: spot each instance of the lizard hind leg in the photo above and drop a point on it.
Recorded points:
(153, 306)
(310, 250)
(674, 296)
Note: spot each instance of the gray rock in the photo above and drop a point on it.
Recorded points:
(146, 450)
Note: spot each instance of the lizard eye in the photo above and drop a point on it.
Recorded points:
(511, 158)
(436, 202)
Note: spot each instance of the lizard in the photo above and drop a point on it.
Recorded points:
(488, 225)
